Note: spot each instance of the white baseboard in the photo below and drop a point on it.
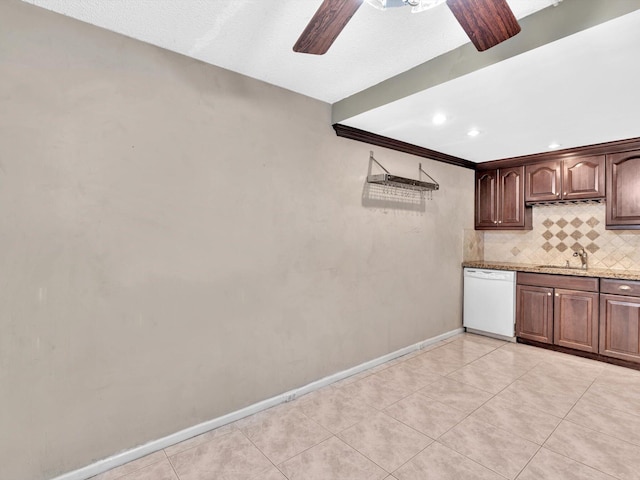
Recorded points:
(140, 451)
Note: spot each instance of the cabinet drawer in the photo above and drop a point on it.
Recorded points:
(585, 284)
(620, 287)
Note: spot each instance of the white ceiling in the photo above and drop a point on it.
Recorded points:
(581, 90)
(576, 91)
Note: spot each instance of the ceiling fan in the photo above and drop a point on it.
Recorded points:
(486, 22)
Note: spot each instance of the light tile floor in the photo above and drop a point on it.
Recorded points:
(469, 407)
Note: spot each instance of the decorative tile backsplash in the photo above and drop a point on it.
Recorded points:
(560, 230)
(473, 246)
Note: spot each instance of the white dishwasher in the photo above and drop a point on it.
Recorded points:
(489, 302)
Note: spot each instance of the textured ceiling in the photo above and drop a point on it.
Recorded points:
(575, 91)
(255, 37)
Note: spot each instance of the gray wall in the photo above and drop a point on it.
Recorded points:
(178, 241)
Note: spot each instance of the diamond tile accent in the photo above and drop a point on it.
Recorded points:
(576, 222)
(616, 249)
(515, 251)
(592, 234)
(593, 221)
(561, 235)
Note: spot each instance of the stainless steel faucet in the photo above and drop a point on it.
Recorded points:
(583, 258)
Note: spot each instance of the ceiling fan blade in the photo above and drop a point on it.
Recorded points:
(486, 22)
(326, 25)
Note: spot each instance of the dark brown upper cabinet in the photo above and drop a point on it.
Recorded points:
(578, 178)
(543, 181)
(500, 200)
(623, 190)
(583, 178)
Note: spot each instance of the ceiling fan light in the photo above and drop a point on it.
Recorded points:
(422, 5)
(384, 4)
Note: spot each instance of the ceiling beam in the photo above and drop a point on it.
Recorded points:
(540, 28)
(399, 146)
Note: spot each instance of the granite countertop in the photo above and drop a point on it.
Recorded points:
(523, 267)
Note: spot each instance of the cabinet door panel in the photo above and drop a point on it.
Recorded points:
(542, 182)
(620, 327)
(623, 190)
(511, 197)
(583, 178)
(575, 321)
(534, 313)
(486, 195)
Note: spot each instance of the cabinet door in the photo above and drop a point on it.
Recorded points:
(542, 182)
(511, 197)
(623, 190)
(534, 313)
(575, 320)
(486, 211)
(620, 327)
(583, 177)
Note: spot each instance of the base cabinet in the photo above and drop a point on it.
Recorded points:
(559, 310)
(620, 319)
(534, 313)
(575, 320)
(598, 316)
(620, 327)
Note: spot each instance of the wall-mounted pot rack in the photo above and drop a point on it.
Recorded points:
(390, 180)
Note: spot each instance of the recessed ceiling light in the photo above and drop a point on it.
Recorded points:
(439, 118)
(474, 132)
(554, 145)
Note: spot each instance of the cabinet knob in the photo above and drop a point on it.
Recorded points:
(624, 287)
(495, 221)
(557, 294)
(549, 294)
(499, 221)
(564, 193)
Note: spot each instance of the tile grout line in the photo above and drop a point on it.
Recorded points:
(565, 419)
(437, 440)
(409, 392)
(578, 461)
(554, 430)
(119, 477)
(265, 455)
(498, 428)
(171, 463)
(335, 435)
(382, 412)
